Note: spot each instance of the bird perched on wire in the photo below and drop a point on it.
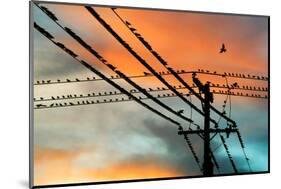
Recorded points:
(146, 74)
(180, 111)
(223, 49)
(235, 84)
(111, 66)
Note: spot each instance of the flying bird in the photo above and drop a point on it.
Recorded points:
(223, 49)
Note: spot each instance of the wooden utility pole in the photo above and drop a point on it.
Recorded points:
(208, 168)
(207, 164)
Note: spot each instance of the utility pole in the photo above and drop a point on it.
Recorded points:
(207, 164)
(208, 168)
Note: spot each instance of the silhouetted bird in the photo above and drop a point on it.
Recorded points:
(193, 74)
(40, 105)
(180, 111)
(235, 84)
(146, 74)
(51, 105)
(71, 104)
(48, 81)
(38, 82)
(128, 23)
(41, 98)
(58, 80)
(68, 80)
(53, 98)
(223, 49)
(111, 66)
(103, 60)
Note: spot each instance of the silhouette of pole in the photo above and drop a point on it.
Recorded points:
(207, 164)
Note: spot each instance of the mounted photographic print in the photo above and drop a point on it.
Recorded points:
(122, 94)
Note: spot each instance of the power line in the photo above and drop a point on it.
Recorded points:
(71, 53)
(162, 73)
(114, 69)
(158, 89)
(143, 62)
(86, 96)
(164, 63)
(155, 54)
(87, 65)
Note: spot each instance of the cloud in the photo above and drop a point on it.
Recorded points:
(93, 143)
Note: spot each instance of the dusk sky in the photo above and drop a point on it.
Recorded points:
(123, 141)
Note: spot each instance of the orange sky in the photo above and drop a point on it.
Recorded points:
(58, 166)
(188, 41)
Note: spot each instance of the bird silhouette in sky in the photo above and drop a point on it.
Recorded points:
(223, 49)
